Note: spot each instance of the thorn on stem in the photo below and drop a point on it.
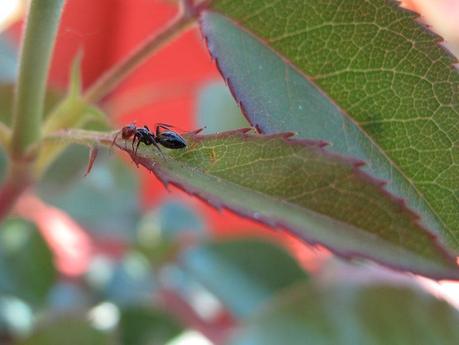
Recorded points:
(94, 150)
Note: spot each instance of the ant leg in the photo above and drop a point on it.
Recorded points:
(159, 150)
(114, 139)
(196, 131)
(163, 126)
(133, 142)
(137, 147)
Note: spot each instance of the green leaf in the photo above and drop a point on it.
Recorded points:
(362, 75)
(26, 263)
(370, 315)
(67, 330)
(146, 326)
(244, 274)
(298, 186)
(73, 111)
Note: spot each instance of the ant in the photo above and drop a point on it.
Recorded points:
(168, 138)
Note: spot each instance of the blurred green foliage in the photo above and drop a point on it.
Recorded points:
(144, 325)
(369, 314)
(26, 264)
(67, 330)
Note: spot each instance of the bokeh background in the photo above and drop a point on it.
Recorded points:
(115, 255)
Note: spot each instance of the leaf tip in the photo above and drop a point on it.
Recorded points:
(75, 84)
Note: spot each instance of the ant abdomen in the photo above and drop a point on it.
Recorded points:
(171, 140)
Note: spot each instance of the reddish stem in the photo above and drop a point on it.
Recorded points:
(17, 181)
(118, 72)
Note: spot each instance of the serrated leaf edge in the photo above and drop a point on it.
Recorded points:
(416, 17)
(320, 146)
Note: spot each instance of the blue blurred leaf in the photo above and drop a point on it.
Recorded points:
(8, 60)
(64, 172)
(217, 110)
(169, 221)
(128, 282)
(243, 274)
(105, 202)
(161, 230)
(67, 296)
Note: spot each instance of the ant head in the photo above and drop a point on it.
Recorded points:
(128, 131)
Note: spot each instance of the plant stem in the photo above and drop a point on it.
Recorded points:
(81, 137)
(40, 34)
(37, 46)
(17, 181)
(118, 72)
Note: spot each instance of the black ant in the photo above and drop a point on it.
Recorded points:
(168, 138)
